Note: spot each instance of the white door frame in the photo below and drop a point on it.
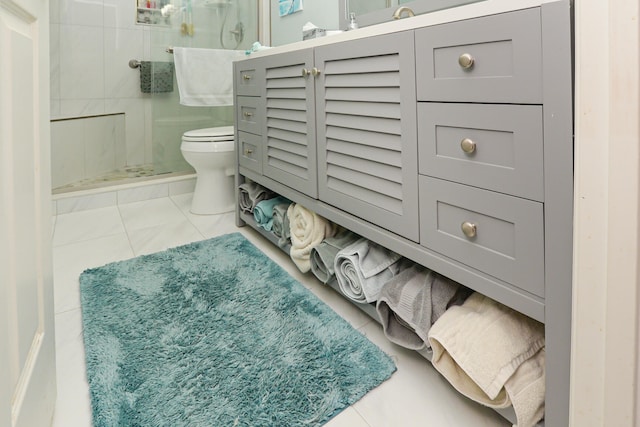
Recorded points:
(604, 365)
(27, 343)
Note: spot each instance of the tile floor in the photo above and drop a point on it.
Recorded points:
(416, 395)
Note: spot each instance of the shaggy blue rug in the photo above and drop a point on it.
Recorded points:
(214, 333)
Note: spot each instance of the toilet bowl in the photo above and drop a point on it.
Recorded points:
(211, 152)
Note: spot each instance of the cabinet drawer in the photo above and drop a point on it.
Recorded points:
(250, 151)
(497, 147)
(247, 77)
(249, 115)
(504, 233)
(503, 56)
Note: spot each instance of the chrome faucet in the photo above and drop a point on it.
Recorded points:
(399, 11)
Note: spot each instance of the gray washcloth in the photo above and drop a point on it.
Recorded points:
(250, 194)
(156, 77)
(324, 255)
(411, 302)
(363, 267)
(281, 227)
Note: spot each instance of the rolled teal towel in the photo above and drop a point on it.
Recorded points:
(263, 212)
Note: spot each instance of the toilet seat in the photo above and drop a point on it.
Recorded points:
(221, 133)
(208, 146)
(210, 140)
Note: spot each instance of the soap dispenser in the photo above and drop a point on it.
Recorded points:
(352, 22)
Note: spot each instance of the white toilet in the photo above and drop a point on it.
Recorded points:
(211, 152)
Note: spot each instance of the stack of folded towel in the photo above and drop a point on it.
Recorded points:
(307, 230)
(323, 255)
(250, 194)
(493, 355)
(414, 300)
(363, 267)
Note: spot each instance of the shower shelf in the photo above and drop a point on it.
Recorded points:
(152, 16)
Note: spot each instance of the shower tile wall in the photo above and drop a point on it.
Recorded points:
(87, 148)
(91, 45)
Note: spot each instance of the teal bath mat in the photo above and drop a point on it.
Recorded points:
(214, 333)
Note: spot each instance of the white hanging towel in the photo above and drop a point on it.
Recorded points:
(205, 76)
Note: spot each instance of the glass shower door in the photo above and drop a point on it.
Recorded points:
(211, 24)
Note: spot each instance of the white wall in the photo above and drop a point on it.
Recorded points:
(288, 29)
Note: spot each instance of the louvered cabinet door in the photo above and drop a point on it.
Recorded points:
(366, 127)
(289, 152)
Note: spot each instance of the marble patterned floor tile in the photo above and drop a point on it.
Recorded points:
(338, 303)
(161, 237)
(73, 406)
(347, 418)
(150, 213)
(208, 225)
(87, 225)
(416, 395)
(72, 259)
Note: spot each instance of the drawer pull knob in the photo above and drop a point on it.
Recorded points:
(469, 229)
(315, 71)
(466, 61)
(247, 114)
(246, 77)
(468, 146)
(248, 151)
(305, 72)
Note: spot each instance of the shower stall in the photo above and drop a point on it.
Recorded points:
(109, 125)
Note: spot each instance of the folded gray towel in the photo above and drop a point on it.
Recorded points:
(250, 194)
(363, 267)
(281, 226)
(411, 302)
(324, 254)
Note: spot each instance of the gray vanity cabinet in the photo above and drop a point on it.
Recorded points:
(338, 124)
(366, 130)
(450, 144)
(275, 117)
(289, 137)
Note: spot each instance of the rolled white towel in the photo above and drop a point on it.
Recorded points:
(307, 230)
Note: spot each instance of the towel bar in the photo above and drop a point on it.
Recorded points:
(134, 63)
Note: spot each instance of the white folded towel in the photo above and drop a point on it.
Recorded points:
(307, 230)
(205, 76)
(493, 355)
(363, 267)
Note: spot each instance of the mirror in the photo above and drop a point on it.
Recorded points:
(369, 12)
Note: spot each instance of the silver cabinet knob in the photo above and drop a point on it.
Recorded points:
(468, 146)
(246, 77)
(248, 151)
(305, 72)
(315, 72)
(469, 229)
(247, 114)
(466, 61)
